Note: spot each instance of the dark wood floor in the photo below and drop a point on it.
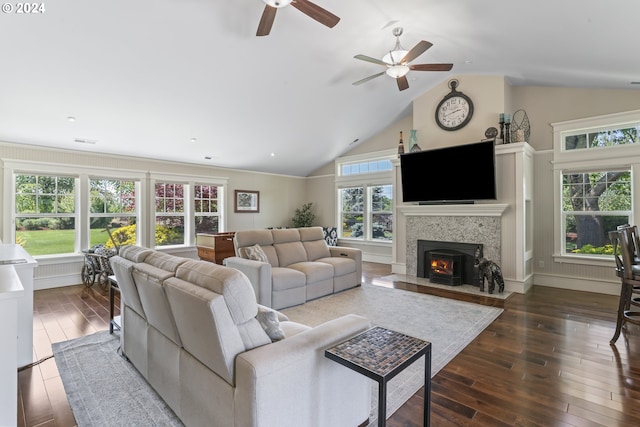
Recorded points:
(546, 361)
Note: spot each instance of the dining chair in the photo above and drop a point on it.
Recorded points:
(625, 242)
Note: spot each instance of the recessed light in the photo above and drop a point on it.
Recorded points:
(354, 141)
(71, 119)
(207, 157)
(193, 139)
(272, 154)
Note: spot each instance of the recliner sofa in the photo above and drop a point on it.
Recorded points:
(192, 329)
(294, 265)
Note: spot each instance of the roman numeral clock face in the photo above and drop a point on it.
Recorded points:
(455, 110)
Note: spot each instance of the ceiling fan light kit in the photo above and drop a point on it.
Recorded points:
(397, 62)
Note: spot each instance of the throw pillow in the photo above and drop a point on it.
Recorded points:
(268, 319)
(255, 253)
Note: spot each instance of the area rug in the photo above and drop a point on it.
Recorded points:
(105, 390)
(448, 324)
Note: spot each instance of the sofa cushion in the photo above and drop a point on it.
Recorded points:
(254, 252)
(164, 261)
(290, 253)
(314, 271)
(286, 235)
(316, 249)
(134, 253)
(287, 278)
(232, 284)
(310, 233)
(268, 319)
(246, 238)
(341, 265)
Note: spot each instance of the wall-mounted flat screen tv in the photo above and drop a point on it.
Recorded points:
(458, 174)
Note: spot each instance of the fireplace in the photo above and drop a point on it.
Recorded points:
(450, 263)
(444, 267)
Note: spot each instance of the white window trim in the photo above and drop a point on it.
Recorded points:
(145, 205)
(600, 158)
(364, 180)
(189, 181)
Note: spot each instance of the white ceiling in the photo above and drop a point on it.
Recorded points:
(144, 77)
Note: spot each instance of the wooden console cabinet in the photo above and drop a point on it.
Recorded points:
(215, 247)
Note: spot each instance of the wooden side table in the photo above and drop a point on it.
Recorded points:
(115, 322)
(381, 354)
(215, 247)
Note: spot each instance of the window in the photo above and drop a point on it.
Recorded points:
(593, 204)
(45, 213)
(170, 214)
(365, 196)
(206, 208)
(113, 205)
(604, 137)
(595, 160)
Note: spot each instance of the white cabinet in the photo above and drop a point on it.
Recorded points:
(11, 292)
(15, 256)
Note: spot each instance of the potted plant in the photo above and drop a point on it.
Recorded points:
(303, 216)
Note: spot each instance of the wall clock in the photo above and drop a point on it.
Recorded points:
(455, 110)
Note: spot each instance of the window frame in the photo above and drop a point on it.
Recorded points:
(588, 160)
(364, 181)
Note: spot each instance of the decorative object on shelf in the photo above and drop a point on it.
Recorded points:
(454, 110)
(413, 142)
(400, 146)
(247, 201)
(521, 126)
(304, 216)
(491, 134)
(504, 121)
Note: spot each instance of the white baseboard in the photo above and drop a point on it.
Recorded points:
(377, 258)
(578, 284)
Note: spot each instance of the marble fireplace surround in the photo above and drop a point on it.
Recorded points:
(476, 223)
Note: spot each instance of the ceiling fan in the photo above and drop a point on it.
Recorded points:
(310, 9)
(397, 62)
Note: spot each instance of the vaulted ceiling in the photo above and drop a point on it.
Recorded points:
(189, 81)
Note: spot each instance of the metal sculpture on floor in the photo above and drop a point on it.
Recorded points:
(490, 271)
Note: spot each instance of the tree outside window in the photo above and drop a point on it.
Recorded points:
(352, 212)
(113, 206)
(45, 218)
(594, 203)
(170, 214)
(382, 212)
(207, 212)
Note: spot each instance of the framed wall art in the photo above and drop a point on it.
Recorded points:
(247, 201)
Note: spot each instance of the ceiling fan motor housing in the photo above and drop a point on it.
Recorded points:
(278, 3)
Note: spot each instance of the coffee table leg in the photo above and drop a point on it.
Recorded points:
(427, 389)
(382, 403)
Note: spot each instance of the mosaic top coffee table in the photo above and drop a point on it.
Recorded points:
(381, 354)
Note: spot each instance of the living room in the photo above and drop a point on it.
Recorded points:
(492, 90)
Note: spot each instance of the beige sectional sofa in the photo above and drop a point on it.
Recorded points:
(294, 265)
(193, 329)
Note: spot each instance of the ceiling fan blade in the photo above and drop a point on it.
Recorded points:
(431, 67)
(266, 21)
(403, 83)
(416, 51)
(314, 11)
(366, 79)
(370, 59)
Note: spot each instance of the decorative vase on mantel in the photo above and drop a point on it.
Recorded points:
(413, 142)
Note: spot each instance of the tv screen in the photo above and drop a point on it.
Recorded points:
(462, 173)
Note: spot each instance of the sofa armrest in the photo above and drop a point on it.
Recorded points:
(294, 379)
(259, 274)
(353, 253)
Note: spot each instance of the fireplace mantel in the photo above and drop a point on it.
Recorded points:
(483, 209)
